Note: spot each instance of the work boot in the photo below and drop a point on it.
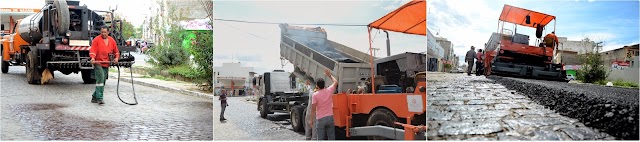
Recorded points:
(100, 102)
(93, 98)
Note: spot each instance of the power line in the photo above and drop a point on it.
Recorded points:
(256, 22)
(246, 32)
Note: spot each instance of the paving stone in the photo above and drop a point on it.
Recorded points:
(580, 133)
(480, 138)
(507, 106)
(531, 122)
(467, 107)
(448, 102)
(439, 115)
(469, 128)
(481, 102)
(483, 114)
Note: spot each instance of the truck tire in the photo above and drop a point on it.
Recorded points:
(86, 77)
(264, 109)
(297, 118)
(5, 66)
(33, 75)
(382, 117)
(61, 19)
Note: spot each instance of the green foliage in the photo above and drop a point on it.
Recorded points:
(593, 69)
(448, 66)
(202, 52)
(128, 30)
(168, 52)
(625, 84)
(166, 56)
(185, 71)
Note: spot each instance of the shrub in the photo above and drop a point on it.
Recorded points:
(202, 52)
(593, 69)
(185, 71)
(166, 56)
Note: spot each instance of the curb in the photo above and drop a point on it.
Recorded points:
(170, 89)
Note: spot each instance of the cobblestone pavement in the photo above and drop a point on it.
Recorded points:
(61, 110)
(244, 123)
(464, 107)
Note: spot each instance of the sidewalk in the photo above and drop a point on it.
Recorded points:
(172, 86)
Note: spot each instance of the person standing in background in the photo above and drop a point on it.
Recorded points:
(471, 55)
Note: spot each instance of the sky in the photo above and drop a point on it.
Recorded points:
(470, 23)
(258, 45)
(131, 10)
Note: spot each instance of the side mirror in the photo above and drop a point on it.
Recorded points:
(527, 19)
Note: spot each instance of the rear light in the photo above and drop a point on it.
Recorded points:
(549, 58)
(501, 51)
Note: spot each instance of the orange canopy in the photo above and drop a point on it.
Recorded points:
(518, 16)
(410, 18)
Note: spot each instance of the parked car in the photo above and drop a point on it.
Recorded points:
(456, 70)
(571, 77)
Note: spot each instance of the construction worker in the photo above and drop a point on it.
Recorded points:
(551, 40)
(322, 108)
(223, 104)
(479, 64)
(471, 55)
(308, 132)
(101, 47)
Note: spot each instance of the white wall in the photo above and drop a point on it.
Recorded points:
(630, 74)
(577, 46)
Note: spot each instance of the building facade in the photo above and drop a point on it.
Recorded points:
(622, 63)
(233, 78)
(435, 53)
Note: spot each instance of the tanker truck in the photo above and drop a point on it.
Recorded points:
(58, 38)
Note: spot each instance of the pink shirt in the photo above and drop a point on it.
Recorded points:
(324, 102)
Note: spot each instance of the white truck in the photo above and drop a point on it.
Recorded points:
(278, 94)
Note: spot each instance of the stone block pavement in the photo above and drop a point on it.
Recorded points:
(464, 107)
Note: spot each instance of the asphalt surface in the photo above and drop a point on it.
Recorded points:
(612, 109)
(462, 107)
(61, 110)
(244, 123)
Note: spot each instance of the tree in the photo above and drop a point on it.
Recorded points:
(208, 7)
(128, 29)
(593, 69)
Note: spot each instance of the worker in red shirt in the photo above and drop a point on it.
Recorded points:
(479, 63)
(101, 47)
(551, 40)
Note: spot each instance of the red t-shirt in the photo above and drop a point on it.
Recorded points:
(100, 51)
(479, 56)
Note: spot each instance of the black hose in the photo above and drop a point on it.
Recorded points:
(132, 87)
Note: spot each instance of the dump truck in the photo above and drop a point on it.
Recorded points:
(58, 38)
(509, 53)
(277, 94)
(310, 52)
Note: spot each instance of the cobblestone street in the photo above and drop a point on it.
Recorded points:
(61, 110)
(462, 107)
(244, 123)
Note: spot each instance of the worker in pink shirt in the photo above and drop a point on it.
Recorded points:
(322, 108)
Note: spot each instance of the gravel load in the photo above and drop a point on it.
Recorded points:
(316, 39)
(611, 109)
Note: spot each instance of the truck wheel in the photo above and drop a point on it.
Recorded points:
(382, 117)
(61, 18)
(297, 118)
(86, 77)
(33, 75)
(264, 109)
(5, 66)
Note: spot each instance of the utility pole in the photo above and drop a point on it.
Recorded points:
(374, 51)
